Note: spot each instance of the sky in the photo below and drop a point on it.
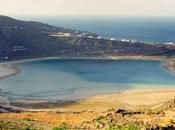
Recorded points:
(88, 7)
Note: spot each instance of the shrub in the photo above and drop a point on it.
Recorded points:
(62, 127)
(29, 128)
(127, 127)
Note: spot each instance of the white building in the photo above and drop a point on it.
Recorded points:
(169, 43)
(112, 39)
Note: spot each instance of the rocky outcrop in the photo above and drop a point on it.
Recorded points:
(158, 117)
(170, 65)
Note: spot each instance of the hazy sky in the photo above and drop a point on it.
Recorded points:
(88, 7)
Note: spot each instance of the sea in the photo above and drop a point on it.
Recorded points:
(147, 29)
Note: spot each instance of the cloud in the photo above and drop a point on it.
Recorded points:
(88, 7)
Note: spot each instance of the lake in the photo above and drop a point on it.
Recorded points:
(66, 79)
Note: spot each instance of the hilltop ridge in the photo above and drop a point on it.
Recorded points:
(28, 39)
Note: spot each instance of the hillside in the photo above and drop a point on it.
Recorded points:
(27, 39)
(147, 118)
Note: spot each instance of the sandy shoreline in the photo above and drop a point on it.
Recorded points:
(129, 98)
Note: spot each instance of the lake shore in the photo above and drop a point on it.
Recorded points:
(136, 103)
(153, 107)
(11, 68)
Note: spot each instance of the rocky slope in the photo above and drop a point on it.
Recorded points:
(154, 117)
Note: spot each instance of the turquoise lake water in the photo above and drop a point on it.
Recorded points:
(76, 79)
